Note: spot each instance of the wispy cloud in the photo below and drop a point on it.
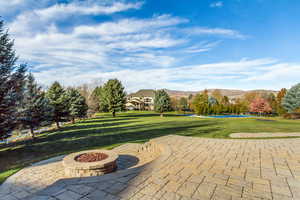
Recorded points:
(39, 19)
(217, 4)
(202, 47)
(83, 8)
(106, 45)
(215, 31)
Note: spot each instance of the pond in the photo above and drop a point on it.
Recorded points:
(217, 116)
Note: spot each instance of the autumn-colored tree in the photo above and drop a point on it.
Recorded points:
(281, 94)
(251, 96)
(190, 102)
(260, 105)
(241, 105)
(271, 98)
(174, 103)
(217, 95)
(225, 100)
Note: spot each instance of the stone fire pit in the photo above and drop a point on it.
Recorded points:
(90, 163)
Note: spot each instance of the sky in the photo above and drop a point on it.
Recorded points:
(152, 44)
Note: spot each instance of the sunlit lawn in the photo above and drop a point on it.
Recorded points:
(107, 132)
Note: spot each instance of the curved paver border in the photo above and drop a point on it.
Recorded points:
(263, 135)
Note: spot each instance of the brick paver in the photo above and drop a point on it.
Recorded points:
(263, 135)
(180, 168)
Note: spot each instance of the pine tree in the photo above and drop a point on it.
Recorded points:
(291, 101)
(162, 102)
(200, 104)
(114, 96)
(59, 100)
(183, 104)
(103, 106)
(77, 104)
(35, 109)
(11, 84)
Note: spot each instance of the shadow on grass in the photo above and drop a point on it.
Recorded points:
(105, 119)
(103, 133)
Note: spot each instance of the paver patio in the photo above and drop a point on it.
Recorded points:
(263, 135)
(174, 167)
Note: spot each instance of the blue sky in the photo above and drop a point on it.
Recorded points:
(182, 45)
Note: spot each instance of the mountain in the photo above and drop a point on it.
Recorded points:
(231, 93)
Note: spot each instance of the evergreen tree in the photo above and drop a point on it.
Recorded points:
(212, 100)
(291, 101)
(35, 109)
(103, 106)
(11, 84)
(212, 105)
(200, 104)
(59, 100)
(77, 104)
(114, 96)
(162, 102)
(183, 104)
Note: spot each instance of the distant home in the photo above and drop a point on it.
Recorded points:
(141, 100)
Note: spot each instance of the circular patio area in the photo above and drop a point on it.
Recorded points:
(175, 167)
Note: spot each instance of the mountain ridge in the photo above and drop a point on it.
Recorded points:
(231, 93)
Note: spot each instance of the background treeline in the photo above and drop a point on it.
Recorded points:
(285, 103)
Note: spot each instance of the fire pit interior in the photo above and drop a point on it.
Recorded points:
(90, 163)
(91, 157)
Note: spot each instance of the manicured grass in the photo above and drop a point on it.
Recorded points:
(105, 131)
(5, 174)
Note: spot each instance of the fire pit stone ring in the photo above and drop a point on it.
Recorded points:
(74, 168)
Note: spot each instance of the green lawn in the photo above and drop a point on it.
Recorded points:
(107, 132)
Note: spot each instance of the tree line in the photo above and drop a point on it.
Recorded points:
(284, 103)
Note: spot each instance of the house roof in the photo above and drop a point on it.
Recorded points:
(143, 93)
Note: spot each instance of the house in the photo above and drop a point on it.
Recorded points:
(141, 100)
